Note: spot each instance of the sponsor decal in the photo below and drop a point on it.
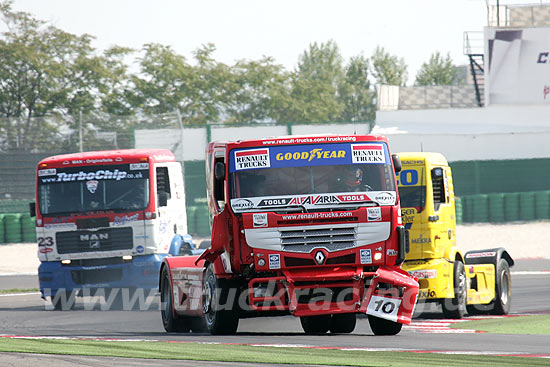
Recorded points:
(241, 204)
(384, 198)
(391, 252)
(92, 186)
(274, 202)
(481, 254)
(259, 220)
(423, 294)
(365, 256)
(138, 166)
(274, 261)
(314, 200)
(424, 274)
(102, 174)
(353, 198)
(45, 250)
(367, 153)
(421, 240)
(253, 158)
(46, 172)
(374, 214)
(122, 220)
(140, 249)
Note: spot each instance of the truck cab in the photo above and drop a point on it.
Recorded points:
(478, 281)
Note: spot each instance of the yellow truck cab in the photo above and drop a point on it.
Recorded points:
(475, 282)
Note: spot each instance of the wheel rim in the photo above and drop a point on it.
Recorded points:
(462, 290)
(208, 297)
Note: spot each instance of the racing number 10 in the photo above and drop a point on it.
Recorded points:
(387, 306)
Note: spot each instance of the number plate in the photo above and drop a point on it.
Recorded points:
(384, 307)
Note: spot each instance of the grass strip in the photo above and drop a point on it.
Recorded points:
(18, 290)
(533, 325)
(244, 353)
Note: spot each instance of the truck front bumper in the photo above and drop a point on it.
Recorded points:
(140, 272)
(387, 293)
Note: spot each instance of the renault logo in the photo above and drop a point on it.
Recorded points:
(319, 258)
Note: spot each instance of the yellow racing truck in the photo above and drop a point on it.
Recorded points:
(476, 282)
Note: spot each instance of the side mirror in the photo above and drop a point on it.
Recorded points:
(32, 209)
(219, 171)
(396, 163)
(163, 198)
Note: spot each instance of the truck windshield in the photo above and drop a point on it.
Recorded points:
(119, 188)
(413, 197)
(311, 169)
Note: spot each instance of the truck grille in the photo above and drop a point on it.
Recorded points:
(108, 239)
(332, 239)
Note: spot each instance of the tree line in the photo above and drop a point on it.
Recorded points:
(49, 77)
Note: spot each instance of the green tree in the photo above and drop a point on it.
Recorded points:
(437, 71)
(315, 85)
(356, 92)
(260, 89)
(388, 69)
(46, 73)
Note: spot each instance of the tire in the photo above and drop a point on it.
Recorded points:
(343, 323)
(170, 321)
(503, 289)
(381, 326)
(63, 300)
(319, 324)
(455, 308)
(221, 315)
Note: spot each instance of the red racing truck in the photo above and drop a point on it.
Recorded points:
(306, 226)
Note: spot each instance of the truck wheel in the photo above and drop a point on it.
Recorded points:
(318, 324)
(381, 326)
(63, 300)
(220, 310)
(343, 323)
(170, 321)
(455, 308)
(503, 289)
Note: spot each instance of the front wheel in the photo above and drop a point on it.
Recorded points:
(221, 315)
(318, 324)
(455, 308)
(381, 326)
(170, 321)
(343, 323)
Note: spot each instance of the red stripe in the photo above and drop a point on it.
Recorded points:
(365, 147)
(251, 152)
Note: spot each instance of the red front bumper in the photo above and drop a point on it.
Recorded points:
(389, 292)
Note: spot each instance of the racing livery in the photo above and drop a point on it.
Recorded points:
(475, 282)
(307, 226)
(105, 220)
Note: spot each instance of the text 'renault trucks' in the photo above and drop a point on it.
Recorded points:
(104, 222)
(477, 281)
(307, 226)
